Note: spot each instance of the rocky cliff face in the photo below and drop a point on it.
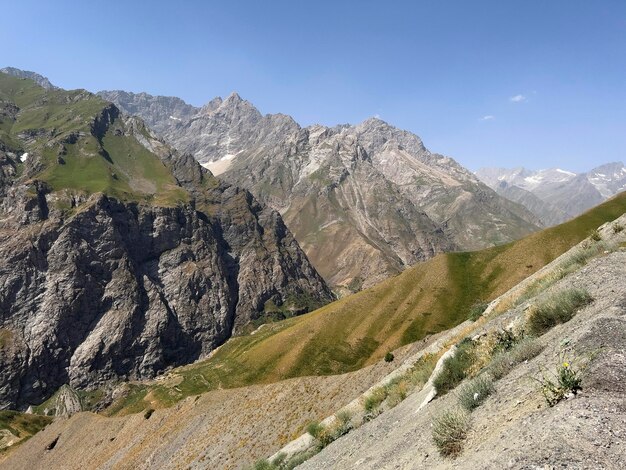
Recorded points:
(556, 195)
(119, 257)
(159, 112)
(364, 201)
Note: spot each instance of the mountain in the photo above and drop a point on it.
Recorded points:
(560, 194)
(364, 201)
(231, 410)
(120, 257)
(152, 109)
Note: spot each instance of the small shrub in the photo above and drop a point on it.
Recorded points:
(566, 381)
(559, 308)
(504, 341)
(325, 435)
(343, 425)
(455, 368)
(314, 429)
(374, 400)
(617, 228)
(389, 357)
(504, 361)
(450, 431)
(477, 310)
(476, 391)
(421, 371)
(595, 236)
(525, 350)
(298, 459)
(264, 464)
(397, 391)
(500, 365)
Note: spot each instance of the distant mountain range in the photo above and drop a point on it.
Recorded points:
(555, 195)
(364, 201)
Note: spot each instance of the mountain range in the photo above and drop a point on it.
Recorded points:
(154, 315)
(120, 257)
(364, 201)
(555, 195)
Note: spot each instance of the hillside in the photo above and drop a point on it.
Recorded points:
(514, 427)
(119, 257)
(234, 428)
(358, 330)
(364, 201)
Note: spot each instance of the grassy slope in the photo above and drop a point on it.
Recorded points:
(358, 330)
(118, 165)
(22, 425)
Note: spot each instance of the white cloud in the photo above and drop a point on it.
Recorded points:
(518, 98)
(488, 117)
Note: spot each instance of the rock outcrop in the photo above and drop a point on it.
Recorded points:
(120, 257)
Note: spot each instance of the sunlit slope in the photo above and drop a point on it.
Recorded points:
(359, 329)
(81, 144)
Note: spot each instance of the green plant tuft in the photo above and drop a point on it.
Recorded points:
(389, 357)
(595, 236)
(477, 310)
(455, 368)
(558, 308)
(476, 391)
(565, 382)
(450, 431)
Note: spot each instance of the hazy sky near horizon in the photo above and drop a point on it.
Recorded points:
(488, 82)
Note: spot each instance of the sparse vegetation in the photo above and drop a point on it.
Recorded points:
(22, 425)
(477, 310)
(473, 393)
(617, 227)
(397, 391)
(374, 400)
(324, 435)
(595, 236)
(565, 382)
(455, 368)
(558, 308)
(464, 277)
(450, 431)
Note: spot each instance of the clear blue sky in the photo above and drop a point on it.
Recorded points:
(446, 70)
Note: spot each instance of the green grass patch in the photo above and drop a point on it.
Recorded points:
(558, 308)
(449, 431)
(455, 368)
(476, 391)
